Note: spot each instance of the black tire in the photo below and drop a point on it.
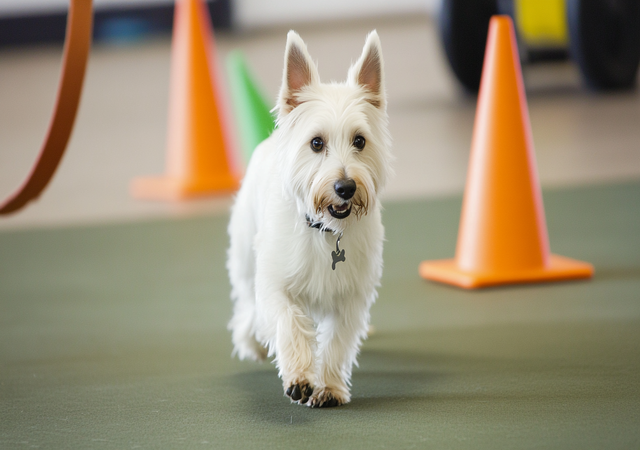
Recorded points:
(605, 41)
(463, 29)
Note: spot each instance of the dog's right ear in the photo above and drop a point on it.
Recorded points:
(299, 72)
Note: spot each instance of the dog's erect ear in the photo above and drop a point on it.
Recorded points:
(368, 71)
(299, 71)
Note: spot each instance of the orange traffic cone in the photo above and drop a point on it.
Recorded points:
(503, 235)
(198, 142)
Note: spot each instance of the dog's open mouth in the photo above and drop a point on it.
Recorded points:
(340, 211)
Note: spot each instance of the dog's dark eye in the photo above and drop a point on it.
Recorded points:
(317, 144)
(359, 142)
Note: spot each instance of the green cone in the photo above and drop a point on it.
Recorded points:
(253, 117)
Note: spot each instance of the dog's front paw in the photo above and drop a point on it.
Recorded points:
(299, 392)
(326, 398)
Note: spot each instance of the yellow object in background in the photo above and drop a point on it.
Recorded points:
(542, 23)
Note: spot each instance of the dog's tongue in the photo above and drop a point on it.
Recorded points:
(341, 208)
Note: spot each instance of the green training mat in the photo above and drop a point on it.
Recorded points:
(114, 337)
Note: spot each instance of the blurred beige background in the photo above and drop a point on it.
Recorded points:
(580, 137)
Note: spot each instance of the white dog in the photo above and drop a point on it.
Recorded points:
(310, 188)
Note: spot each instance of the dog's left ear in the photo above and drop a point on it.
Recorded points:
(368, 71)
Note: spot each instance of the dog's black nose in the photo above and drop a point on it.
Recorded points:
(345, 188)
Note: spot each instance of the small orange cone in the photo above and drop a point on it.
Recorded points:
(503, 235)
(198, 141)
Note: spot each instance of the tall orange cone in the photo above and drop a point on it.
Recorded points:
(198, 142)
(503, 235)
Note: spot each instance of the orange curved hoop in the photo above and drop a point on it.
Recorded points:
(74, 62)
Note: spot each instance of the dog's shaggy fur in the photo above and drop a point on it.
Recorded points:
(296, 200)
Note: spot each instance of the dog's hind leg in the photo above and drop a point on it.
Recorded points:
(241, 266)
(243, 322)
(243, 330)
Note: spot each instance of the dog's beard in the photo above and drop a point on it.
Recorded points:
(359, 204)
(324, 198)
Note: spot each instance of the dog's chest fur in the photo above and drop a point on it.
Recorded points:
(315, 281)
(301, 256)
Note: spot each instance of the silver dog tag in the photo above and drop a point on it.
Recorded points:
(338, 255)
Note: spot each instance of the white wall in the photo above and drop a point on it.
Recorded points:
(259, 13)
(28, 6)
(250, 13)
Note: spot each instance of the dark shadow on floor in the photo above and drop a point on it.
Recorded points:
(385, 378)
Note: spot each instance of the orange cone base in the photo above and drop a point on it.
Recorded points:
(168, 188)
(559, 268)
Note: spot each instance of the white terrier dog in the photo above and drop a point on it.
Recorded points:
(310, 188)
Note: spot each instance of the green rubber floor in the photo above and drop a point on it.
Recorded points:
(114, 337)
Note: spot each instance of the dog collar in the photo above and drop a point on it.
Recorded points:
(338, 255)
(318, 225)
